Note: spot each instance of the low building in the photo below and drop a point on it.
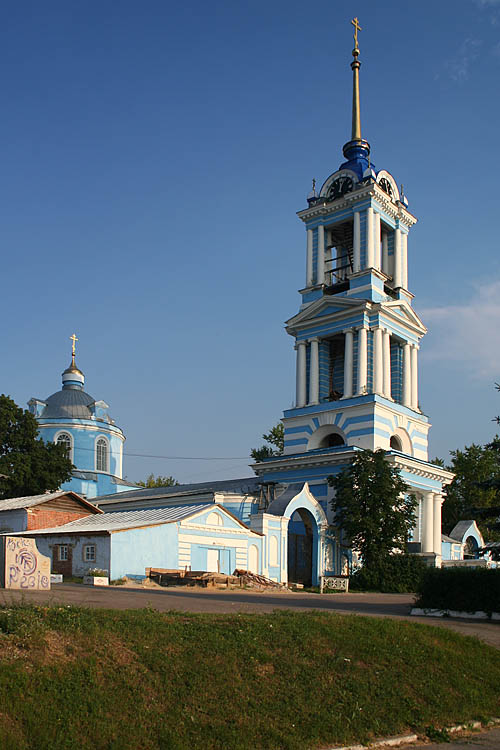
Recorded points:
(463, 543)
(198, 537)
(41, 511)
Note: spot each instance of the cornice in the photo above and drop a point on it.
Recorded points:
(421, 468)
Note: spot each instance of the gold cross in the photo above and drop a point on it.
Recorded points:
(357, 28)
(74, 340)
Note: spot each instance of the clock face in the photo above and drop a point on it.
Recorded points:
(340, 186)
(386, 186)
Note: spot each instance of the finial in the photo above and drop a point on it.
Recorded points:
(73, 350)
(355, 66)
(314, 184)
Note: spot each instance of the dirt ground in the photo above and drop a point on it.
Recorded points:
(215, 600)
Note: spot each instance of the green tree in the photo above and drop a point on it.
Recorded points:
(373, 508)
(475, 486)
(276, 438)
(28, 465)
(159, 481)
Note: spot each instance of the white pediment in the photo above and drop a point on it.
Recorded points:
(401, 311)
(327, 306)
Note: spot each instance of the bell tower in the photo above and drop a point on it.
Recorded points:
(356, 334)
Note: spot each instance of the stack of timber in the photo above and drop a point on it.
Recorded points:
(240, 578)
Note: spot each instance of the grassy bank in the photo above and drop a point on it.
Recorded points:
(84, 678)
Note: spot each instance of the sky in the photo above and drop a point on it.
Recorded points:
(153, 158)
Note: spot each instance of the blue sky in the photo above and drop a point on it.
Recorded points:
(153, 158)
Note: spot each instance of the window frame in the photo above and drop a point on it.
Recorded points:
(57, 441)
(100, 442)
(86, 548)
(60, 556)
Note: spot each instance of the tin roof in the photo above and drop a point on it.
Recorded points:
(248, 485)
(128, 519)
(16, 503)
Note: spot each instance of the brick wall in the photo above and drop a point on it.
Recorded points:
(45, 518)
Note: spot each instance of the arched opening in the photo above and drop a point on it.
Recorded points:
(101, 462)
(300, 547)
(253, 559)
(470, 548)
(64, 438)
(396, 444)
(334, 440)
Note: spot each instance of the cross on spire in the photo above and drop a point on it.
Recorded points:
(357, 28)
(74, 340)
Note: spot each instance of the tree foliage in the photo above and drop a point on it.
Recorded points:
(28, 465)
(276, 438)
(475, 486)
(159, 481)
(373, 508)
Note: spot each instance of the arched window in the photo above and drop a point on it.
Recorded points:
(101, 457)
(64, 438)
(396, 443)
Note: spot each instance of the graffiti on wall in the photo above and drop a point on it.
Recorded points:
(25, 567)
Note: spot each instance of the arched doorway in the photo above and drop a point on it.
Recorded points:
(300, 547)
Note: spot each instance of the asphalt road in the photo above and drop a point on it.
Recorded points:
(219, 601)
(489, 740)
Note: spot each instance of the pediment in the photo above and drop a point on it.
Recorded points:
(327, 306)
(402, 311)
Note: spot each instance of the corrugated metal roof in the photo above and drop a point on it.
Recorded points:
(128, 519)
(248, 485)
(14, 503)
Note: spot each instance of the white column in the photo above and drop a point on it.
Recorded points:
(369, 237)
(348, 360)
(378, 367)
(438, 501)
(376, 240)
(428, 522)
(309, 264)
(404, 260)
(385, 254)
(314, 372)
(406, 375)
(320, 266)
(362, 360)
(414, 377)
(300, 399)
(397, 258)
(356, 249)
(387, 364)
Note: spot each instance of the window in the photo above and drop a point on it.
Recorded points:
(395, 443)
(65, 439)
(101, 462)
(63, 552)
(89, 553)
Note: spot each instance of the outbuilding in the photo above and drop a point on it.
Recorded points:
(43, 511)
(197, 537)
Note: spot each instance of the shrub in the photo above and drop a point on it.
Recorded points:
(396, 574)
(462, 589)
(97, 573)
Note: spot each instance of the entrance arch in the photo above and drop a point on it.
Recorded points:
(305, 527)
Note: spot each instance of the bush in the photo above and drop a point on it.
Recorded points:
(462, 589)
(396, 574)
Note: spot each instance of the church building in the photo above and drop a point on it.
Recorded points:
(357, 339)
(94, 442)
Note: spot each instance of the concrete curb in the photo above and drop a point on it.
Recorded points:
(407, 739)
(423, 612)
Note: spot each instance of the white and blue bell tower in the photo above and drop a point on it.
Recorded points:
(357, 337)
(93, 441)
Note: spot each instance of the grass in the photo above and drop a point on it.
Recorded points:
(75, 677)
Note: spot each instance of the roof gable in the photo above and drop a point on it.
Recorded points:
(62, 500)
(402, 311)
(215, 518)
(327, 305)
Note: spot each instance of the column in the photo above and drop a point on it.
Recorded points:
(397, 258)
(348, 361)
(309, 264)
(362, 360)
(414, 377)
(387, 364)
(378, 367)
(406, 375)
(369, 237)
(438, 501)
(320, 267)
(428, 522)
(385, 253)
(314, 372)
(356, 249)
(376, 240)
(404, 260)
(300, 399)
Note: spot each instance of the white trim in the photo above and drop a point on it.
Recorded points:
(71, 440)
(108, 454)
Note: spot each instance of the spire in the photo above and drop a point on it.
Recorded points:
(356, 151)
(355, 66)
(72, 377)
